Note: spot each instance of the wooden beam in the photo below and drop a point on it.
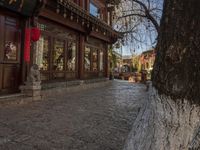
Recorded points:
(100, 36)
(60, 19)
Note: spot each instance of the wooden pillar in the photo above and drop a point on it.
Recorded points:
(1, 50)
(33, 44)
(81, 4)
(111, 17)
(107, 63)
(81, 57)
(84, 4)
(105, 13)
(26, 65)
(87, 5)
(23, 63)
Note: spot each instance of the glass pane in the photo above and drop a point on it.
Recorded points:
(87, 59)
(58, 56)
(94, 10)
(71, 56)
(10, 51)
(101, 61)
(59, 32)
(10, 46)
(94, 60)
(42, 53)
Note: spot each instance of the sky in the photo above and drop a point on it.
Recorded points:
(147, 34)
(130, 48)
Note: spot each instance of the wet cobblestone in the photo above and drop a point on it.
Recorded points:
(97, 119)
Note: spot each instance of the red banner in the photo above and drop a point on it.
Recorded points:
(27, 42)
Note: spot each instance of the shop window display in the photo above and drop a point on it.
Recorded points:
(58, 56)
(42, 53)
(10, 46)
(87, 59)
(71, 56)
(57, 52)
(95, 60)
(10, 51)
(101, 62)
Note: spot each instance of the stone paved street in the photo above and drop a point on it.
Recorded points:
(95, 119)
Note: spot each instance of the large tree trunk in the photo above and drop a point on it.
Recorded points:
(177, 66)
(170, 120)
(165, 124)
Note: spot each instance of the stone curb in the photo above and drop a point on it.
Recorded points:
(72, 86)
(138, 130)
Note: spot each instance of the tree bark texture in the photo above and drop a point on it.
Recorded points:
(177, 67)
(165, 124)
(170, 120)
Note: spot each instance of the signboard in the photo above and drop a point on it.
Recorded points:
(24, 7)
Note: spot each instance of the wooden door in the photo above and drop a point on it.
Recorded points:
(10, 47)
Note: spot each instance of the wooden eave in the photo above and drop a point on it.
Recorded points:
(75, 9)
(90, 22)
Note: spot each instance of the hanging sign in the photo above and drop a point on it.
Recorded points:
(24, 7)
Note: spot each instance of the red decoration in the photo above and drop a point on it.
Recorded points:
(35, 34)
(27, 45)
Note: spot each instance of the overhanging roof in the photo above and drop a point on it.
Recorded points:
(89, 20)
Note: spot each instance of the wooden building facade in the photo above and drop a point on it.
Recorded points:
(73, 45)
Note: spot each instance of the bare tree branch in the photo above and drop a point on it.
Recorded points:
(148, 15)
(138, 21)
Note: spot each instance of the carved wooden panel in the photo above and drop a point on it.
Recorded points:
(10, 77)
(10, 47)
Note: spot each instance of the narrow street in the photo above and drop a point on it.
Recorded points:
(94, 119)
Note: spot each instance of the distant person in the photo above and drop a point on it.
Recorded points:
(144, 76)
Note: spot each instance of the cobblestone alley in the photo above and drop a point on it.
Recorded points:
(94, 119)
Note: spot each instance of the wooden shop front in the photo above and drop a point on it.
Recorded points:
(13, 15)
(95, 58)
(10, 52)
(57, 52)
(74, 43)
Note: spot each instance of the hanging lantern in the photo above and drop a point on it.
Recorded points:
(88, 25)
(58, 9)
(123, 42)
(35, 34)
(77, 20)
(71, 16)
(27, 45)
(65, 13)
(83, 22)
(117, 45)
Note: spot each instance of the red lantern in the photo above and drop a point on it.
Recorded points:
(27, 44)
(35, 34)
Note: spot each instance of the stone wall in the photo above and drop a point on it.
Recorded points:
(164, 124)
